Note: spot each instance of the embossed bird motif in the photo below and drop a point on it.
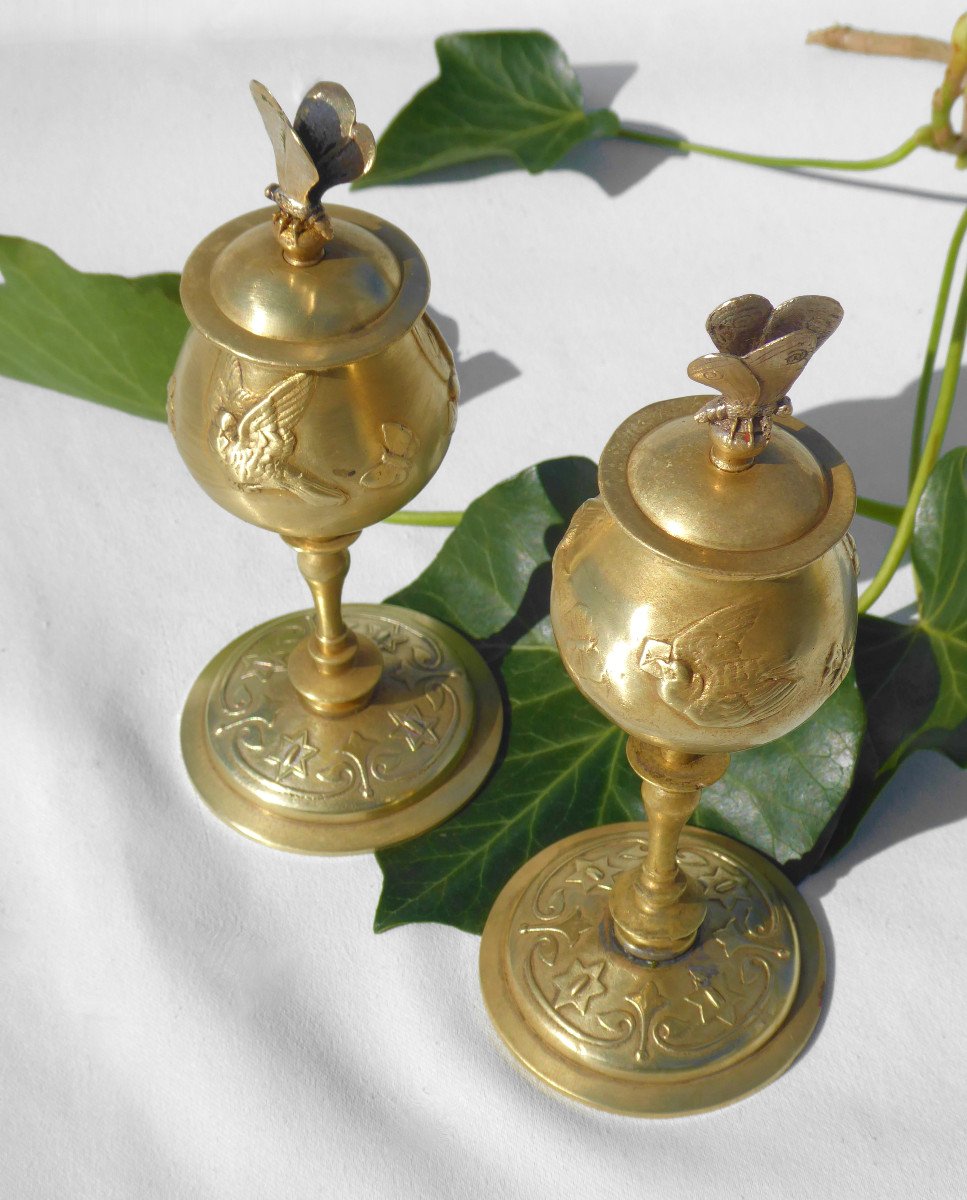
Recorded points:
(705, 674)
(256, 446)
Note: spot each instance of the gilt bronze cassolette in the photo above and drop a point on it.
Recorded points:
(705, 601)
(314, 396)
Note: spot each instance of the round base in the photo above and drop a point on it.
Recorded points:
(652, 1039)
(288, 777)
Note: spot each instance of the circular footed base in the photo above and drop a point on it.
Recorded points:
(288, 777)
(658, 1040)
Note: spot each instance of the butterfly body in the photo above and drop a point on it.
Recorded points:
(761, 352)
(325, 146)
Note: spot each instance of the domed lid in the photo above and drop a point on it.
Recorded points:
(305, 285)
(765, 494)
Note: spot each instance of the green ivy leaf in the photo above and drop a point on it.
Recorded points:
(780, 797)
(913, 678)
(501, 94)
(939, 553)
(103, 337)
(564, 767)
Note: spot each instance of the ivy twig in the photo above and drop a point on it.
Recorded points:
(867, 41)
(931, 452)
(879, 510)
(922, 137)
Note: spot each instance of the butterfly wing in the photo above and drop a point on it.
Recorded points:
(399, 440)
(821, 315)
(736, 325)
(296, 170)
(385, 474)
(779, 363)
(729, 375)
(326, 124)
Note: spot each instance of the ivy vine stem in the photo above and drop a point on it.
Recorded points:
(933, 342)
(921, 137)
(412, 516)
(931, 452)
(879, 510)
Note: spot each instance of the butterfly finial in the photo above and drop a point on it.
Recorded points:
(325, 145)
(762, 352)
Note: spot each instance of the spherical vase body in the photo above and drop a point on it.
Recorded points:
(681, 638)
(312, 401)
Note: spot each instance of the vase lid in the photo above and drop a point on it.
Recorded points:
(302, 284)
(734, 484)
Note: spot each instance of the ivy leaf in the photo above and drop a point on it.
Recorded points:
(780, 797)
(501, 94)
(102, 337)
(564, 767)
(913, 678)
(939, 553)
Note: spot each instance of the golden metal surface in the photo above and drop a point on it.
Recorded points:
(686, 1036)
(296, 780)
(313, 396)
(325, 147)
(705, 601)
(762, 352)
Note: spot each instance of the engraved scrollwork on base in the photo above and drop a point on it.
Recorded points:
(719, 1000)
(414, 728)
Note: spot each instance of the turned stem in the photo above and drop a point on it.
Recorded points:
(334, 671)
(324, 564)
(657, 908)
(668, 813)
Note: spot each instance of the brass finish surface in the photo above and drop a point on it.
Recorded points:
(324, 146)
(296, 780)
(694, 529)
(705, 602)
(695, 1033)
(371, 287)
(313, 397)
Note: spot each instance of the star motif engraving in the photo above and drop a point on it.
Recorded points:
(389, 639)
(293, 758)
(731, 938)
(710, 1002)
(591, 875)
(578, 985)
(721, 883)
(415, 729)
(261, 669)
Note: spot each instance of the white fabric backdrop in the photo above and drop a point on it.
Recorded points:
(186, 1014)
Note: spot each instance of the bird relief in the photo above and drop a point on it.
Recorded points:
(706, 674)
(399, 446)
(254, 436)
